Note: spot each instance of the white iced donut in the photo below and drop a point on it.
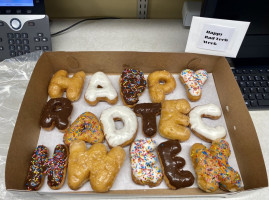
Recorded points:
(144, 162)
(202, 130)
(193, 82)
(125, 135)
(100, 89)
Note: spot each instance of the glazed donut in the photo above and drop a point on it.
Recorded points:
(202, 130)
(60, 83)
(143, 163)
(174, 120)
(148, 112)
(54, 167)
(212, 168)
(56, 112)
(172, 165)
(193, 82)
(95, 164)
(132, 85)
(119, 137)
(100, 89)
(160, 83)
(86, 127)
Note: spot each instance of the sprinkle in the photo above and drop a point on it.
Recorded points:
(133, 84)
(194, 80)
(86, 125)
(40, 165)
(143, 161)
(214, 166)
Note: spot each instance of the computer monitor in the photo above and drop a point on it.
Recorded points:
(256, 42)
(21, 7)
(16, 3)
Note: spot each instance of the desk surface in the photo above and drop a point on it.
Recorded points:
(147, 36)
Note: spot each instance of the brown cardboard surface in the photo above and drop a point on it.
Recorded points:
(242, 132)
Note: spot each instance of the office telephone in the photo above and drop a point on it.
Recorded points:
(24, 27)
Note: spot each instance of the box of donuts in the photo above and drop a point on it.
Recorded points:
(134, 123)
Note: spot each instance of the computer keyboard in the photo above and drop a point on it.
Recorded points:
(254, 84)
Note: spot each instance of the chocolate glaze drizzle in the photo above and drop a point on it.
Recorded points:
(173, 164)
(149, 111)
(56, 111)
(132, 84)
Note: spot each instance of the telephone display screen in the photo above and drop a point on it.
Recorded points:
(16, 3)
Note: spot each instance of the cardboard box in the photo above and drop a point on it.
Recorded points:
(241, 129)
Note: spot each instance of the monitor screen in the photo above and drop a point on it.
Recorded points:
(16, 3)
(248, 10)
(256, 42)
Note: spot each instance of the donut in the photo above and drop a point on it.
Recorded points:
(95, 164)
(56, 113)
(175, 177)
(57, 167)
(60, 83)
(41, 165)
(148, 112)
(212, 168)
(174, 120)
(119, 137)
(143, 163)
(193, 82)
(132, 85)
(100, 89)
(160, 83)
(36, 172)
(86, 127)
(199, 128)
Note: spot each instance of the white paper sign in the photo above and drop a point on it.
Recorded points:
(216, 36)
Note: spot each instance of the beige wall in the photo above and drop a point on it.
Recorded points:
(112, 8)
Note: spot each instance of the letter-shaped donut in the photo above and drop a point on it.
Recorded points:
(86, 127)
(160, 83)
(193, 82)
(95, 164)
(172, 165)
(212, 168)
(41, 165)
(132, 85)
(148, 112)
(60, 83)
(56, 113)
(202, 130)
(174, 120)
(143, 163)
(125, 135)
(100, 89)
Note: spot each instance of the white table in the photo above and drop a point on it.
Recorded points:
(146, 36)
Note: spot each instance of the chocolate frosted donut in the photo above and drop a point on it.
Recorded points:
(172, 165)
(148, 111)
(54, 167)
(56, 113)
(57, 167)
(132, 84)
(36, 173)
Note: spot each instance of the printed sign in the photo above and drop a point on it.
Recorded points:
(216, 36)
